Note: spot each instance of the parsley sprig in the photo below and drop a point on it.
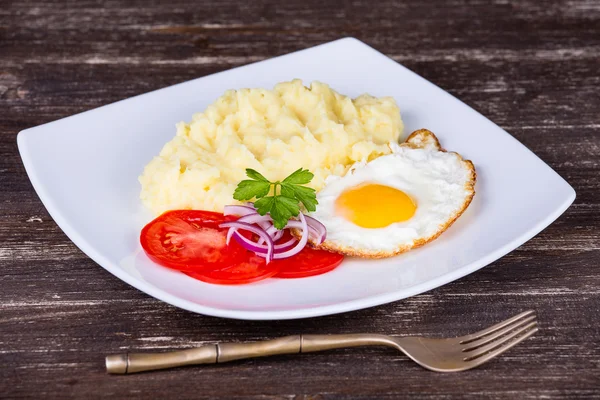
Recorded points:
(287, 194)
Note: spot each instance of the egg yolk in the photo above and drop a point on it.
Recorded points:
(374, 206)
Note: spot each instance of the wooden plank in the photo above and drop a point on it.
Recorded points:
(531, 67)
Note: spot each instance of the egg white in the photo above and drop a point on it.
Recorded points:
(440, 183)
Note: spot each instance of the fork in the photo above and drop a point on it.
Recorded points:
(441, 355)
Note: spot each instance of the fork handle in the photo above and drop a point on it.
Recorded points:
(225, 352)
(313, 343)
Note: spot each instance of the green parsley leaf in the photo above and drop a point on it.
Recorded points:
(287, 190)
(253, 174)
(303, 194)
(264, 205)
(299, 177)
(307, 196)
(283, 209)
(284, 205)
(247, 190)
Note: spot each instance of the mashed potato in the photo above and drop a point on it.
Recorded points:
(272, 131)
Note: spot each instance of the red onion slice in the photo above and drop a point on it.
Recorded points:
(238, 210)
(264, 221)
(299, 246)
(267, 233)
(262, 249)
(275, 233)
(278, 234)
(314, 234)
(258, 219)
(251, 228)
(316, 224)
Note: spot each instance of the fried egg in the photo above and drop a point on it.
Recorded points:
(396, 202)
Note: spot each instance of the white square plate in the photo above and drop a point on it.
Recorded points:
(85, 169)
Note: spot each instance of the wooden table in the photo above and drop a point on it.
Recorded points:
(532, 67)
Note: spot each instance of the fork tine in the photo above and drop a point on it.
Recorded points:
(477, 335)
(505, 341)
(481, 360)
(475, 344)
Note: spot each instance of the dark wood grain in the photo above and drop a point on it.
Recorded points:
(532, 67)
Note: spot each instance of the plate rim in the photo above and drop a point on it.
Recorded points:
(306, 312)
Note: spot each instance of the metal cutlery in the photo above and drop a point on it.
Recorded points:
(441, 355)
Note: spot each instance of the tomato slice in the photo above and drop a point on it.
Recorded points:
(252, 269)
(190, 241)
(308, 262)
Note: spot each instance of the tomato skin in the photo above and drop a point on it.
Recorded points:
(190, 241)
(309, 262)
(252, 269)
